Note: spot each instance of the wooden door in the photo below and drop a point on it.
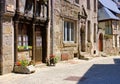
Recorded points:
(82, 33)
(100, 42)
(38, 46)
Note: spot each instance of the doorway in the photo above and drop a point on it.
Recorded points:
(100, 42)
(38, 45)
(82, 33)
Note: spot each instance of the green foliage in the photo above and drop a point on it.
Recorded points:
(30, 47)
(52, 60)
(24, 47)
(56, 58)
(108, 36)
(20, 47)
(24, 62)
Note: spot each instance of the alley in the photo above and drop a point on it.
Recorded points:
(100, 70)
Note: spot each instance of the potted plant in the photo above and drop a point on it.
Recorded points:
(52, 60)
(24, 66)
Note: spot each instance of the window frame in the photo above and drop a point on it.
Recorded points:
(88, 4)
(23, 39)
(68, 27)
(77, 1)
(95, 5)
(108, 27)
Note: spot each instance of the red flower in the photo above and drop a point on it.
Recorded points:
(52, 56)
(18, 63)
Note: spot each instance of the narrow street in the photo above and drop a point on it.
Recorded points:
(100, 70)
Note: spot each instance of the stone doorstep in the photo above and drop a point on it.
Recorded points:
(41, 65)
(86, 57)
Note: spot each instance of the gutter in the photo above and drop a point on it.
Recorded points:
(52, 27)
(1, 38)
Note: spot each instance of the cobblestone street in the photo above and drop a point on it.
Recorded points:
(100, 70)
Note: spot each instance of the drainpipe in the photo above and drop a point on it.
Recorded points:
(1, 53)
(79, 49)
(52, 26)
(48, 27)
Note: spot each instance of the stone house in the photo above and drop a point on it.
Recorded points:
(74, 28)
(108, 29)
(34, 29)
(24, 32)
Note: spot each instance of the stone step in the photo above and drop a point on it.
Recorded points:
(86, 56)
(40, 65)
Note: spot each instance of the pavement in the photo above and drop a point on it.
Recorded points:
(99, 70)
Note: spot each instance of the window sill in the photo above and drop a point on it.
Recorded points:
(68, 1)
(72, 2)
(23, 50)
(69, 44)
(76, 4)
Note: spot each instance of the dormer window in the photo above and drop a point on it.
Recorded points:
(77, 1)
(38, 8)
(41, 9)
(22, 6)
(28, 6)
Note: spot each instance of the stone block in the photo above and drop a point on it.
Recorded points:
(64, 56)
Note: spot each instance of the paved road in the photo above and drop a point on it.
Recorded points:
(100, 70)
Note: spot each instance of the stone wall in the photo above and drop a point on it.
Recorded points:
(92, 17)
(109, 49)
(64, 10)
(8, 42)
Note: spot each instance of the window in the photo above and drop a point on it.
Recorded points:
(108, 27)
(88, 32)
(77, 1)
(88, 4)
(41, 9)
(68, 31)
(38, 8)
(22, 35)
(119, 41)
(28, 5)
(95, 5)
(94, 32)
(115, 40)
(22, 5)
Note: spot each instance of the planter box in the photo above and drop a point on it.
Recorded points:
(24, 69)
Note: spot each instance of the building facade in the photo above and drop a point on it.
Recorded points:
(108, 34)
(90, 28)
(34, 29)
(24, 31)
(74, 24)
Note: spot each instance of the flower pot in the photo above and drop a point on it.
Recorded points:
(52, 62)
(24, 69)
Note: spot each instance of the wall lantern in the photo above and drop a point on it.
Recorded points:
(81, 16)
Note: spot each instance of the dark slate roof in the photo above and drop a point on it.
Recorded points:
(110, 5)
(106, 14)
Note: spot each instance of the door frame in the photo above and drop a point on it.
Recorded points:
(44, 42)
(38, 58)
